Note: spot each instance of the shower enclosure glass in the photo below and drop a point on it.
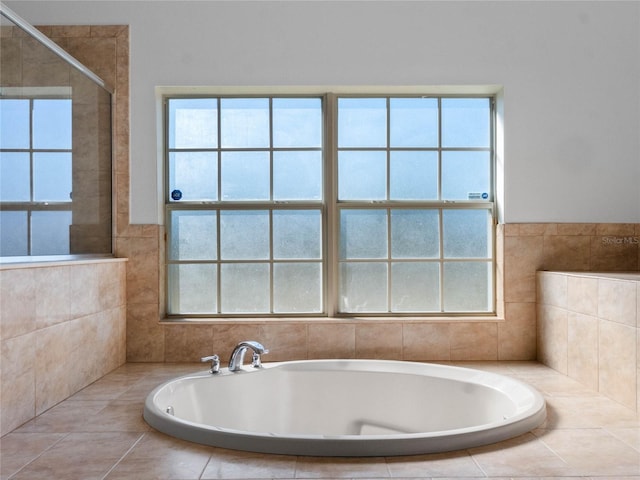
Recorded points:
(55, 148)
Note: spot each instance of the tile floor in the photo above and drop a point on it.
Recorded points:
(99, 434)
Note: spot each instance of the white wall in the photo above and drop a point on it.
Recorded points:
(570, 72)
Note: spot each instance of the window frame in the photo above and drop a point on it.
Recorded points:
(331, 206)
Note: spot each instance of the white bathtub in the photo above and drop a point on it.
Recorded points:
(345, 408)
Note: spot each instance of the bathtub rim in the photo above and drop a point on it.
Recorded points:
(380, 445)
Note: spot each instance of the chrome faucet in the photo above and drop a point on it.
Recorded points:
(237, 357)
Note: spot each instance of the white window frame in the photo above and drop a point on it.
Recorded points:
(330, 204)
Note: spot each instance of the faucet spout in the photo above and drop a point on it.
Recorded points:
(237, 357)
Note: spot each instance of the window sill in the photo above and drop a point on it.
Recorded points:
(11, 263)
(333, 320)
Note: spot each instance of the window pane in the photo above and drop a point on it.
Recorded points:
(50, 233)
(52, 177)
(192, 288)
(14, 123)
(362, 122)
(193, 123)
(297, 122)
(467, 286)
(245, 176)
(466, 175)
(297, 287)
(52, 124)
(363, 234)
(13, 233)
(193, 235)
(244, 235)
(297, 234)
(414, 175)
(362, 175)
(244, 288)
(466, 233)
(413, 122)
(193, 176)
(415, 234)
(466, 122)
(297, 175)
(244, 122)
(415, 287)
(363, 287)
(14, 177)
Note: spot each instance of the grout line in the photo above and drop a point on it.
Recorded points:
(123, 456)
(40, 454)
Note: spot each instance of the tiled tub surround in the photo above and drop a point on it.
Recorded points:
(62, 327)
(99, 433)
(588, 329)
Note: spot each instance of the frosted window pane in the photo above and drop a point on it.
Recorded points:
(413, 122)
(363, 287)
(193, 235)
(244, 288)
(297, 122)
(466, 122)
(244, 122)
(52, 177)
(362, 122)
(245, 176)
(362, 175)
(466, 233)
(52, 124)
(14, 123)
(297, 288)
(50, 233)
(13, 233)
(466, 287)
(14, 177)
(297, 175)
(415, 234)
(194, 174)
(363, 234)
(193, 123)
(414, 175)
(465, 173)
(244, 235)
(297, 234)
(192, 288)
(415, 287)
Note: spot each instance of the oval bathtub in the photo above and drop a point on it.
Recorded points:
(345, 408)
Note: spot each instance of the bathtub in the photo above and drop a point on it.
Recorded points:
(345, 408)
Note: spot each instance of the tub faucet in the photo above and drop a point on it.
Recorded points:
(237, 357)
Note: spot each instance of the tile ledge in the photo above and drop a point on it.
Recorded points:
(12, 263)
(334, 320)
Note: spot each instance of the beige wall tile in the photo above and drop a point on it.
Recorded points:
(187, 343)
(17, 306)
(145, 336)
(607, 254)
(17, 381)
(379, 341)
(617, 301)
(474, 341)
(226, 336)
(582, 294)
(286, 341)
(426, 341)
(517, 334)
(552, 289)
(617, 362)
(582, 348)
(566, 252)
(53, 296)
(553, 337)
(332, 340)
(522, 258)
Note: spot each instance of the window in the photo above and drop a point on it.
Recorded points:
(329, 206)
(35, 176)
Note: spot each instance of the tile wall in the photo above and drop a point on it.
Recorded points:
(62, 327)
(588, 329)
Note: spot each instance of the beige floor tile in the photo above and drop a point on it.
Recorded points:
(68, 416)
(453, 464)
(631, 436)
(318, 467)
(522, 456)
(19, 449)
(593, 451)
(157, 456)
(79, 456)
(587, 412)
(118, 416)
(229, 464)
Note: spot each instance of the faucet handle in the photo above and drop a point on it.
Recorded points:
(215, 363)
(256, 362)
